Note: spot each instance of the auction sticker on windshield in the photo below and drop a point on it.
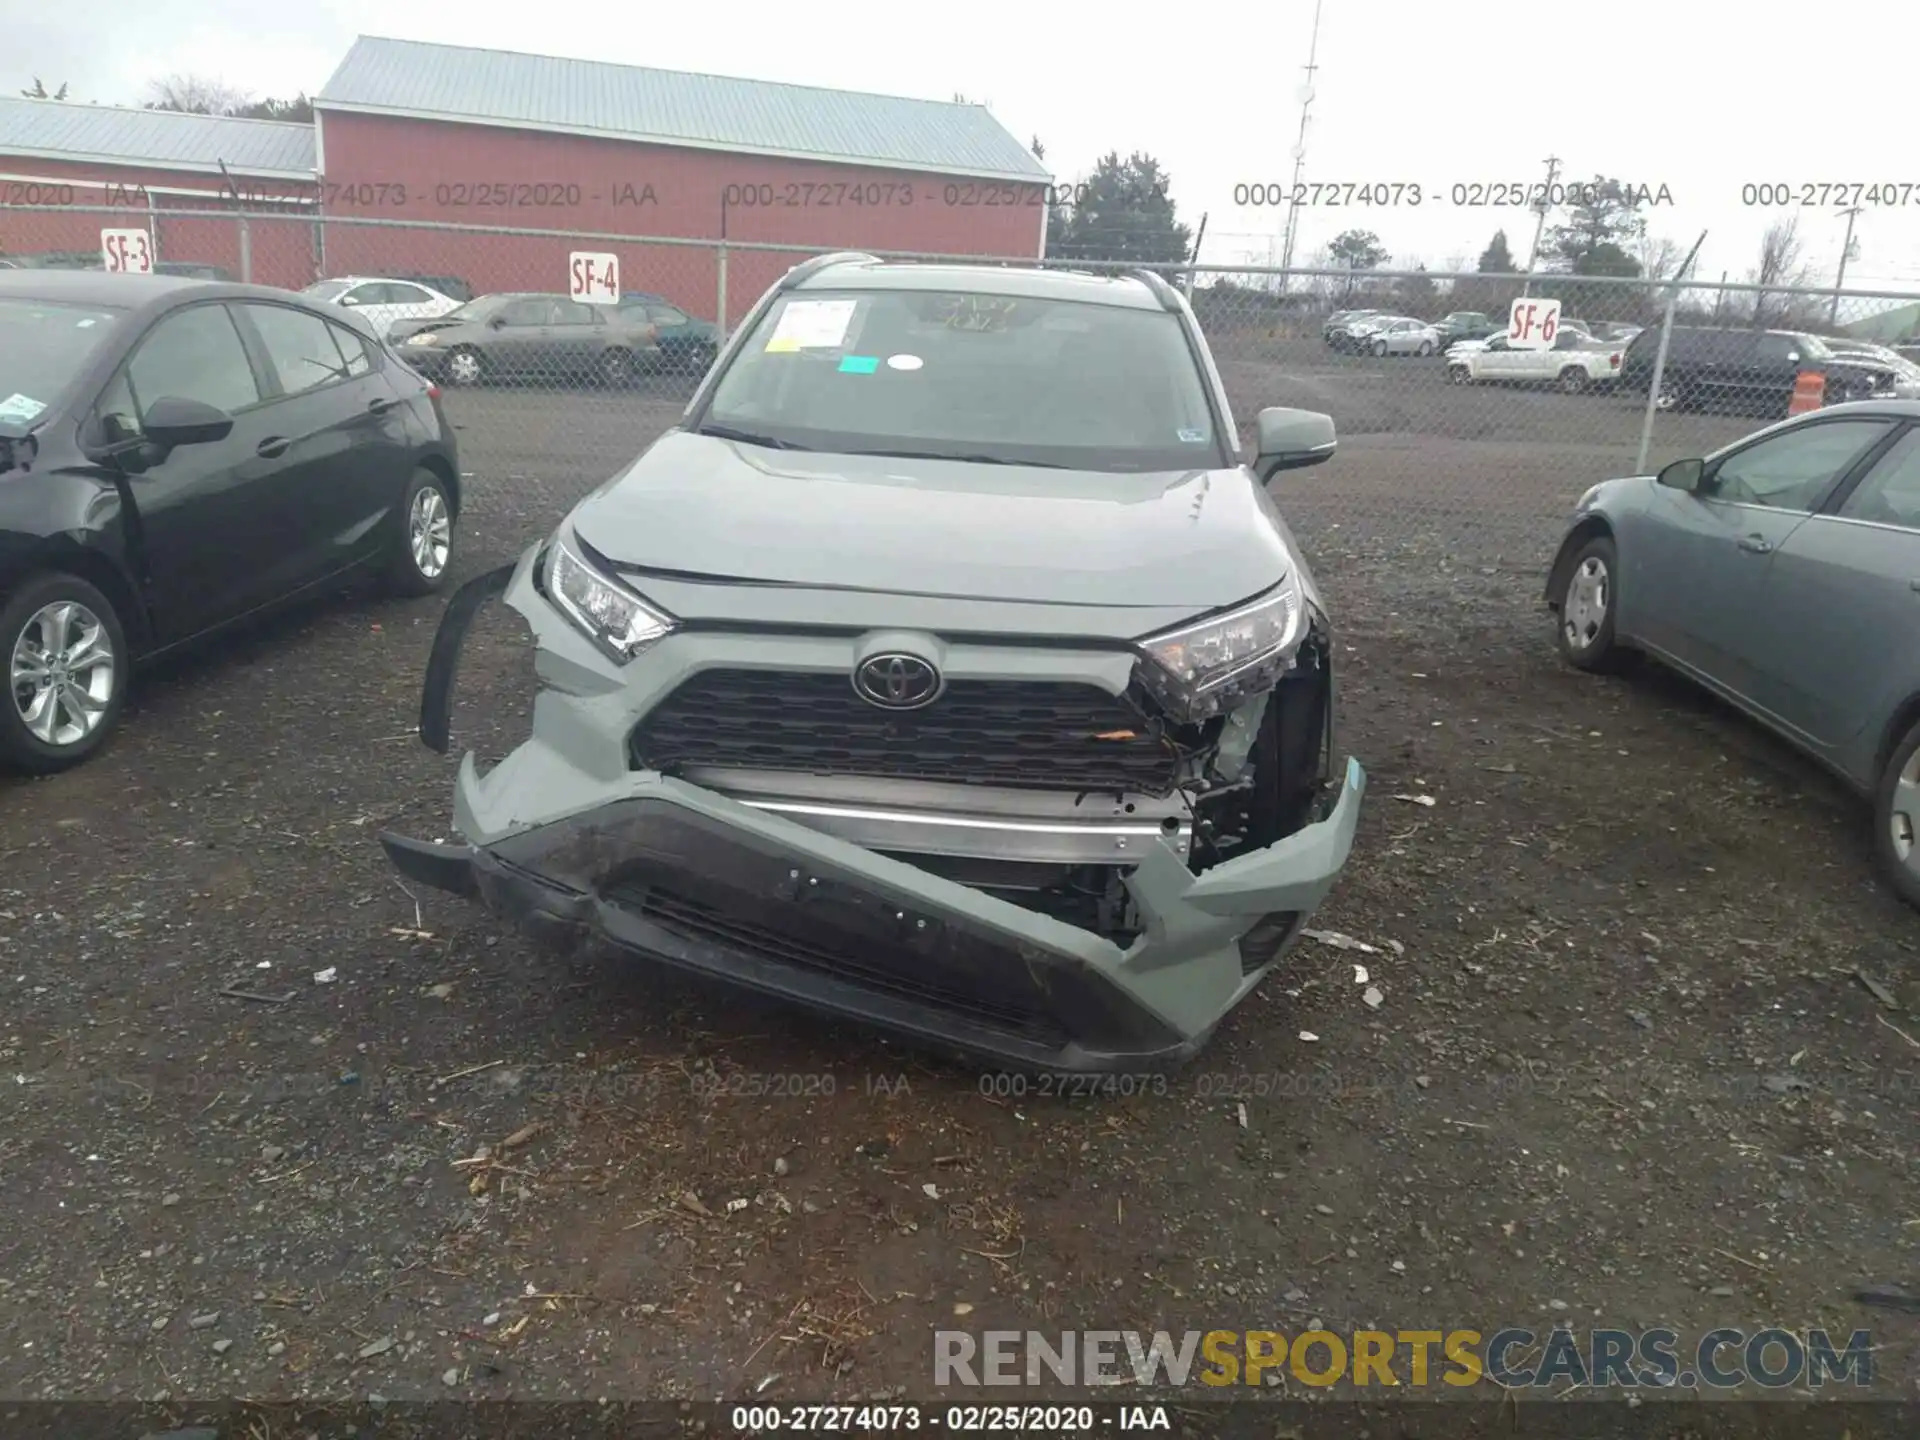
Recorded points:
(19, 408)
(812, 325)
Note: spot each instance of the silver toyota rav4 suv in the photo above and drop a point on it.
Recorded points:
(944, 668)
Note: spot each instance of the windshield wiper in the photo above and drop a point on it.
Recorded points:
(747, 437)
(962, 459)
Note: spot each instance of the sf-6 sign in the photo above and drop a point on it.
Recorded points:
(127, 252)
(1532, 323)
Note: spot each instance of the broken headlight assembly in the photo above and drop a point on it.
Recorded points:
(1200, 670)
(609, 614)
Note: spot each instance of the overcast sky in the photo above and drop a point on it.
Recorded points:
(1699, 98)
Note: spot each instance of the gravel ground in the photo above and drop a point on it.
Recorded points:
(1623, 1071)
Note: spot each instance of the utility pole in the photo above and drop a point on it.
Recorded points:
(1540, 225)
(1300, 152)
(1846, 254)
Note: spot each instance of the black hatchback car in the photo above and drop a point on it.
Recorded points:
(176, 455)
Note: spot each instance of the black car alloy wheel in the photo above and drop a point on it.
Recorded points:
(68, 668)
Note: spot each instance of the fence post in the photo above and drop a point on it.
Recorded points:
(1653, 383)
(720, 301)
(246, 251)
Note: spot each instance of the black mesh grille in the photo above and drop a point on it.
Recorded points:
(1032, 734)
(997, 995)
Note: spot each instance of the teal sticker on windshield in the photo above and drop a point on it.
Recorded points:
(20, 407)
(859, 364)
(1193, 437)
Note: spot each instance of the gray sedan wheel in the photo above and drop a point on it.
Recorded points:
(1897, 819)
(465, 367)
(1586, 607)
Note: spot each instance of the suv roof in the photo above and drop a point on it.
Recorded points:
(1019, 282)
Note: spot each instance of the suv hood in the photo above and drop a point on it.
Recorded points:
(700, 506)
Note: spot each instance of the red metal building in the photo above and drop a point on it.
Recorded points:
(117, 168)
(417, 137)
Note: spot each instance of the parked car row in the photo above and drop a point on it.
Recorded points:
(526, 335)
(1706, 367)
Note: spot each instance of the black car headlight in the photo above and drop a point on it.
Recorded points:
(1210, 666)
(609, 614)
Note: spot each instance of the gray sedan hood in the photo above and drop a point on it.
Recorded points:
(696, 505)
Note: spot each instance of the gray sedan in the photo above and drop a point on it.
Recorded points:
(1783, 573)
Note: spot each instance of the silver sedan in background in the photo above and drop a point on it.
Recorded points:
(1397, 335)
(1782, 573)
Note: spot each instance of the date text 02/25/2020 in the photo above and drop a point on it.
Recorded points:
(1468, 194)
(488, 194)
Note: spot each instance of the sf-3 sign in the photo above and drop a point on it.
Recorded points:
(1532, 323)
(126, 252)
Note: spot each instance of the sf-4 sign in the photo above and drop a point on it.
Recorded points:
(1532, 323)
(593, 277)
(127, 252)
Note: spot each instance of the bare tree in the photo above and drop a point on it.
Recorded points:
(197, 95)
(1659, 256)
(1782, 267)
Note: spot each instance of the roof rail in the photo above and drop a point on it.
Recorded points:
(807, 269)
(1168, 297)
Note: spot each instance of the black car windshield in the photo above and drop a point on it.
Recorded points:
(1021, 380)
(43, 346)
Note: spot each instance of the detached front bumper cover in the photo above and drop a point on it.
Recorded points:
(653, 866)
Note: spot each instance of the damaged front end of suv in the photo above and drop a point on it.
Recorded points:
(1023, 748)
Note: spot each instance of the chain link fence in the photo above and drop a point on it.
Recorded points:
(1460, 457)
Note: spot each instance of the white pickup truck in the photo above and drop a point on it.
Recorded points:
(1573, 363)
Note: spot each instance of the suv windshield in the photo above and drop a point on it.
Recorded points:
(42, 347)
(985, 378)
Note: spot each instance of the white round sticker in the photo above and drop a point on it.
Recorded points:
(904, 362)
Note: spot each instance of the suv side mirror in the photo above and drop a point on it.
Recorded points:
(172, 420)
(1683, 475)
(1287, 439)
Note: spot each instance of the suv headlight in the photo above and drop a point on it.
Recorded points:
(1202, 669)
(609, 614)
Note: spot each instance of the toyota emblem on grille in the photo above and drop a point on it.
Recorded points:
(897, 682)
